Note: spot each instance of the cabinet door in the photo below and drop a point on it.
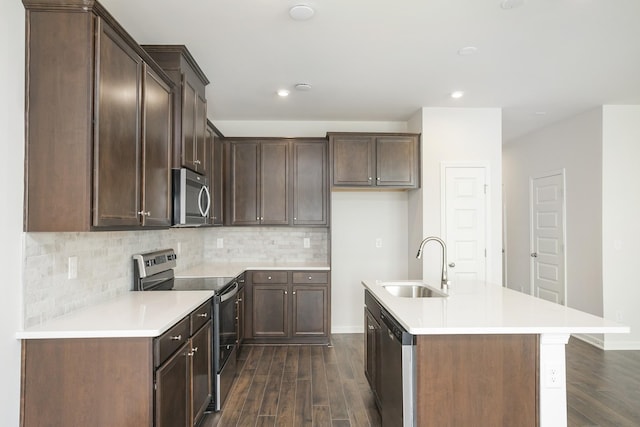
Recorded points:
(117, 132)
(189, 112)
(201, 378)
(372, 354)
(172, 391)
(310, 310)
(274, 183)
(270, 307)
(200, 148)
(240, 318)
(156, 143)
(244, 176)
(215, 174)
(310, 183)
(397, 161)
(353, 160)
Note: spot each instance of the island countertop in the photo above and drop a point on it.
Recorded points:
(481, 308)
(133, 314)
(232, 269)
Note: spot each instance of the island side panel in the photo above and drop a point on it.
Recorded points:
(87, 382)
(482, 380)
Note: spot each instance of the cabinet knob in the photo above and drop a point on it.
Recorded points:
(195, 349)
(294, 292)
(143, 213)
(309, 277)
(378, 178)
(285, 292)
(176, 338)
(369, 178)
(269, 278)
(203, 314)
(371, 327)
(196, 162)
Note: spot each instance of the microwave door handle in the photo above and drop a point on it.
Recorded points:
(204, 190)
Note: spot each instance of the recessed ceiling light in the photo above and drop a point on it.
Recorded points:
(303, 87)
(283, 92)
(301, 12)
(511, 4)
(457, 94)
(467, 50)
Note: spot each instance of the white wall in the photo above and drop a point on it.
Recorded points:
(620, 222)
(576, 146)
(463, 135)
(11, 176)
(415, 202)
(358, 219)
(301, 128)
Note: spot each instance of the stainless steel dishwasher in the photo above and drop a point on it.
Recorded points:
(397, 353)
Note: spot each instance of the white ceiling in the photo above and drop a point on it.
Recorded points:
(384, 59)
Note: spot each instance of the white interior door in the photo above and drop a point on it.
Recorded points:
(547, 237)
(465, 222)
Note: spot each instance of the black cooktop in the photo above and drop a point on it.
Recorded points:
(217, 284)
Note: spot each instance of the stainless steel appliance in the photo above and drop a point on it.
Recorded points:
(153, 271)
(397, 396)
(191, 198)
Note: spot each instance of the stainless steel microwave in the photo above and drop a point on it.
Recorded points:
(191, 198)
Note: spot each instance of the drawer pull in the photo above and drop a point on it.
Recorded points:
(269, 278)
(195, 349)
(309, 277)
(176, 338)
(203, 314)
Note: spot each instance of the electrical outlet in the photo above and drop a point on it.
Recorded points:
(219, 243)
(306, 243)
(378, 242)
(554, 375)
(72, 267)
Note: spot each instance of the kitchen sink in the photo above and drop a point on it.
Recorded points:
(411, 289)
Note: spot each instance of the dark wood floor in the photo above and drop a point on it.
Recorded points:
(325, 386)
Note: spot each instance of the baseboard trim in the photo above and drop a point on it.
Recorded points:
(605, 345)
(590, 339)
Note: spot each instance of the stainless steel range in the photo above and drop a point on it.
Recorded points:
(153, 271)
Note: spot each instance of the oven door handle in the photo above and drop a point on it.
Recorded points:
(229, 292)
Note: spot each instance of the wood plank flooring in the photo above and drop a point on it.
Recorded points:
(321, 386)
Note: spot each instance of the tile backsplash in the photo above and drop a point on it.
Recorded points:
(104, 265)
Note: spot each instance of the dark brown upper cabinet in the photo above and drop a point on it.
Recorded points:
(310, 182)
(367, 160)
(273, 181)
(258, 182)
(216, 175)
(98, 123)
(189, 106)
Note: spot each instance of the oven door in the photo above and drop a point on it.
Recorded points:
(227, 324)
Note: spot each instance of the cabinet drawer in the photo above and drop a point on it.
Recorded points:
(279, 277)
(311, 277)
(166, 344)
(200, 316)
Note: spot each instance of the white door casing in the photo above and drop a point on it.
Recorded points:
(547, 237)
(464, 221)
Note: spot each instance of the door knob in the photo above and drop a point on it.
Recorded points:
(534, 255)
(452, 264)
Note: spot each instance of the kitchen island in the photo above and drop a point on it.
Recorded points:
(487, 355)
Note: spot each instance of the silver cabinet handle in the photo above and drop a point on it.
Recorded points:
(309, 277)
(285, 292)
(195, 349)
(294, 292)
(378, 178)
(176, 338)
(203, 314)
(534, 255)
(452, 264)
(269, 278)
(371, 327)
(196, 162)
(143, 213)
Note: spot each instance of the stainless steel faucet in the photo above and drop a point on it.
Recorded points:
(444, 281)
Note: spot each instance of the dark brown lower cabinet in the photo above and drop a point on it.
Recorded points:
(126, 382)
(287, 307)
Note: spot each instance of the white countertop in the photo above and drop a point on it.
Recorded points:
(134, 314)
(232, 269)
(479, 308)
